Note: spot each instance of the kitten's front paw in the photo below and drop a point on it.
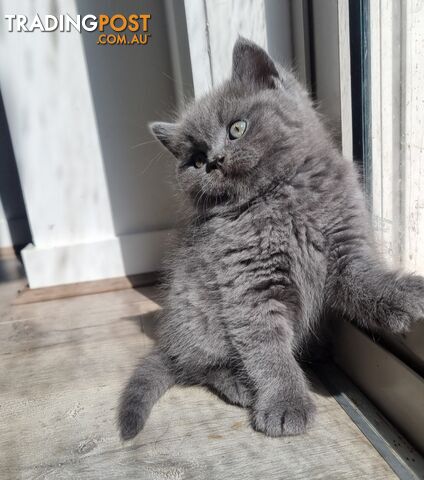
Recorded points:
(284, 417)
(396, 321)
(404, 306)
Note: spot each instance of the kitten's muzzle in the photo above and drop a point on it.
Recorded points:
(217, 161)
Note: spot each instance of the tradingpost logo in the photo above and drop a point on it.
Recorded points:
(117, 29)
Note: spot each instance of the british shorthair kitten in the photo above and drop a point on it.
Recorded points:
(278, 234)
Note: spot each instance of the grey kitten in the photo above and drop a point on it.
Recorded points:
(278, 235)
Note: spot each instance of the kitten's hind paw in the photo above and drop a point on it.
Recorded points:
(132, 417)
(147, 384)
(129, 425)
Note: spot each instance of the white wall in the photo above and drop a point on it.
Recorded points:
(97, 206)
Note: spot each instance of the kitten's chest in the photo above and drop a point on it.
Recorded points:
(270, 243)
(250, 242)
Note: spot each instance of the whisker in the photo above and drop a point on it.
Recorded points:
(156, 157)
(142, 143)
(173, 79)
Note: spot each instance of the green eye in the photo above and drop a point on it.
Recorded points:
(237, 129)
(198, 161)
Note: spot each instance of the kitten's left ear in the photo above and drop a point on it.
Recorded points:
(165, 133)
(251, 64)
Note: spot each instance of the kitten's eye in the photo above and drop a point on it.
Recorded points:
(198, 161)
(237, 129)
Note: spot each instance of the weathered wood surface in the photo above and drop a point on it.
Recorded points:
(63, 364)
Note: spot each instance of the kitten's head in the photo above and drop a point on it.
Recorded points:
(238, 139)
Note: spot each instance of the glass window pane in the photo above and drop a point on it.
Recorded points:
(397, 140)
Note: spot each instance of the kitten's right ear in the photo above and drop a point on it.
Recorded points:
(165, 133)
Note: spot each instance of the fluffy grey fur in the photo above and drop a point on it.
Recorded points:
(278, 235)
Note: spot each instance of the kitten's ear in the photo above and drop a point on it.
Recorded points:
(165, 133)
(251, 64)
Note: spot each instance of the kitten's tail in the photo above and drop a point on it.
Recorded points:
(150, 380)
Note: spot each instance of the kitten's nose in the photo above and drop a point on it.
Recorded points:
(215, 163)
